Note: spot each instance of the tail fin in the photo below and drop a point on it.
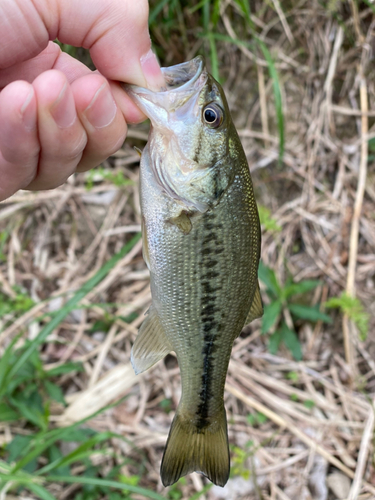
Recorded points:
(191, 449)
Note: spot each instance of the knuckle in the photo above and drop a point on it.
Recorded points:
(95, 155)
(107, 141)
(70, 146)
(76, 147)
(114, 145)
(20, 153)
(137, 13)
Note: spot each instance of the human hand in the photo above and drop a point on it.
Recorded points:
(57, 116)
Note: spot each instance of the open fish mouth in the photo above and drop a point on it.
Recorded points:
(184, 75)
(183, 81)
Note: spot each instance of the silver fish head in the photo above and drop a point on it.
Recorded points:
(190, 133)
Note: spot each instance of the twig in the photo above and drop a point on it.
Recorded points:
(357, 28)
(362, 455)
(263, 104)
(328, 87)
(350, 288)
(353, 248)
(284, 424)
(283, 20)
(350, 111)
(104, 348)
(110, 387)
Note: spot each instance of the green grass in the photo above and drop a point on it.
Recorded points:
(9, 370)
(26, 393)
(353, 307)
(287, 307)
(12, 307)
(245, 6)
(206, 25)
(33, 460)
(267, 221)
(23, 471)
(99, 174)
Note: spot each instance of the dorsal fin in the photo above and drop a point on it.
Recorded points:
(256, 309)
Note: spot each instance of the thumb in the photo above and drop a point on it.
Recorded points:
(115, 32)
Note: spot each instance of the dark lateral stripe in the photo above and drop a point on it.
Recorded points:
(198, 149)
(209, 309)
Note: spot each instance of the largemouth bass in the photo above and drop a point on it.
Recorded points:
(201, 243)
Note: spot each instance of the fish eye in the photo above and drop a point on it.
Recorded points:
(213, 115)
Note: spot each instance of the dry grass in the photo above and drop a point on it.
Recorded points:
(317, 441)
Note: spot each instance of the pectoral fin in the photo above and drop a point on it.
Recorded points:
(256, 309)
(151, 344)
(183, 222)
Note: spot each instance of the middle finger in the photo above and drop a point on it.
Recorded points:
(61, 134)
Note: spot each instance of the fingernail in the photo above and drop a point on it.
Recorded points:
(28, 111)
(102, 109)
(63, 110)
(152, 72)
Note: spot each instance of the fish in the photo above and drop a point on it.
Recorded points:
(201, 243)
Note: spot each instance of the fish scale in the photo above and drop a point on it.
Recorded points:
(201, 236)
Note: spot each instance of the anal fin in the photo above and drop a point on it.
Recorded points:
(256, 309)
(151, 344)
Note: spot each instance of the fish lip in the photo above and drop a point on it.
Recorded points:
(183, 81)
(187, 72)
